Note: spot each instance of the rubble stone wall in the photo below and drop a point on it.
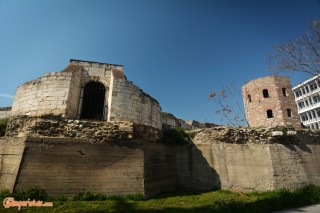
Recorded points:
(96, 131)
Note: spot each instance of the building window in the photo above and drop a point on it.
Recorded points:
(316, 99)
(249, 98)
(269, 113)
(284, 92)
(317, 126)
(307, 89)
(265, 93)
(298, 93)
(313, 86)
(301, 105)
(289, 113)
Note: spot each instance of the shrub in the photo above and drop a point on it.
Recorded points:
(3, 126)
(175, 136)
(33, 193)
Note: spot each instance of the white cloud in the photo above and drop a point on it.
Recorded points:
(6, 96)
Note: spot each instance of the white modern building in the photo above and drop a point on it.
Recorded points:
(307, 96)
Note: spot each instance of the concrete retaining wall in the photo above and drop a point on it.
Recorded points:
(68, 166)
(222, 157)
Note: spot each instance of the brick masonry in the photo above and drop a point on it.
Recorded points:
(280, 99)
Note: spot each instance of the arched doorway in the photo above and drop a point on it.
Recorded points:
(93, 103)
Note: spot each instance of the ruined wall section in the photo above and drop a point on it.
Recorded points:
(130, 103)
(46, 95)
(5, 112)
(73, 95)
(280, 98)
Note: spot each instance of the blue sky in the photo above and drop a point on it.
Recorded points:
(178, 51)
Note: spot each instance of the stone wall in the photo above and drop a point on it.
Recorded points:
(62, 93)
(48, 94)
(5, 112)
(280, 99)
(130, 103)
(68, 166)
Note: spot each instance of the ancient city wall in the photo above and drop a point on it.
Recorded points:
(46, 95)
(130, 103)
(5, 112)
(95, 69)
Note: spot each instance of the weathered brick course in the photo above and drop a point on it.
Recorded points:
(280, 99)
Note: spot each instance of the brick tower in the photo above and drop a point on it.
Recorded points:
(269, 102)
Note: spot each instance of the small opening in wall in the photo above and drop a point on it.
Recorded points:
(269, 113)
(249, 98)
(265, 93)
(93, 101)
(284, 92)
(289, 113)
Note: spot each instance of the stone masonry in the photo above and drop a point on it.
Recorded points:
(4, 112)
(269, 101)
(62, 93)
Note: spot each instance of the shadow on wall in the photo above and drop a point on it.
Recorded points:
(194, 171)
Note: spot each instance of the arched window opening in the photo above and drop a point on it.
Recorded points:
(249, 98)
(93, 101)
(289, 113)
(269, 113)
(284, 92)
(265, 93)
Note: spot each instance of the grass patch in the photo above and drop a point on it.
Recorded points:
(213, 201)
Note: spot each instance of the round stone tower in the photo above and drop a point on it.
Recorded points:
(269, 102)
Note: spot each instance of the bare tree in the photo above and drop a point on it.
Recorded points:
(300, 55)
(229, 109)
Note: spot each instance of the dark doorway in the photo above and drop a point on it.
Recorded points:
(93, 101)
